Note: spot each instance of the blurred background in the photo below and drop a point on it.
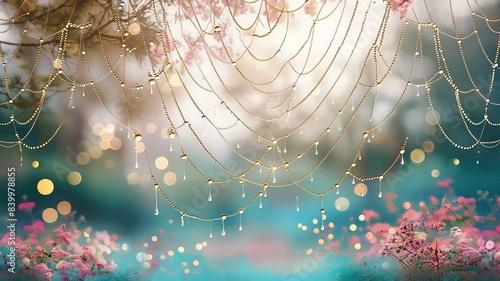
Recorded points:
(90, 163)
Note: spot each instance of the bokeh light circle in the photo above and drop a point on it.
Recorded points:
(161, 163)
(417, 156)
(342, 204)
(360, 189)
(49, 215)
(170, 178)
(74, 178)
(45, 186)
(64, 207)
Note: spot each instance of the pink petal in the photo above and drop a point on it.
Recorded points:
(369, 214)
(445, 183)
(26, 205)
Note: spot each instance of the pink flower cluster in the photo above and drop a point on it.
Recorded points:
(427, 248)
(61, 257)
(401, 6)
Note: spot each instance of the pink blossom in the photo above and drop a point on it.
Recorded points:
(353, 240)
(445, 183)
(43, 271)
(370, 214)
(50, 243)
(64, 265)
(5, 239)
(24, 250)
(401, 6)
(103, 236)
(58, 254)
(489, 245)
(39, 252)
(36, 226)
(63, 236)
(26, 205)
(88, 254)
(465, 201)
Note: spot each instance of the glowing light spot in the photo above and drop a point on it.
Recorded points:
(429, 117)
(316, 230)
(170, 253)
(330, 236)
(204, 243)
(417, 156)
(369, 235)
(83, 158)
(428, 146)
(133, 178)
(180, 249)
(353, 227)
(456, 162)
(162, 257)
(151, 128)
(107, 136)
(161, 163)
(74, 178)
(35, 164)
(110, 128)
(64, 207)
(309, 251)
(104, 144)
(145, 245)
(154, 238)
(169, 178)
(196, 263)
(331, 225)
(407, 205)
(97, 128)
(115, 144)
(357, 246)
(140, 146)
(149, 257)
(321, 241)
(304, 227)
(45, 186)
(134, 28)
(392, 231)
(146, 265)
(361, 217)
(125, 247)
(435, 173)
(95, 152)
(186, 271)
(49, 215)
(199, 246)
(342, 204)
(299, 225)
(315, 221)
(360, 189)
